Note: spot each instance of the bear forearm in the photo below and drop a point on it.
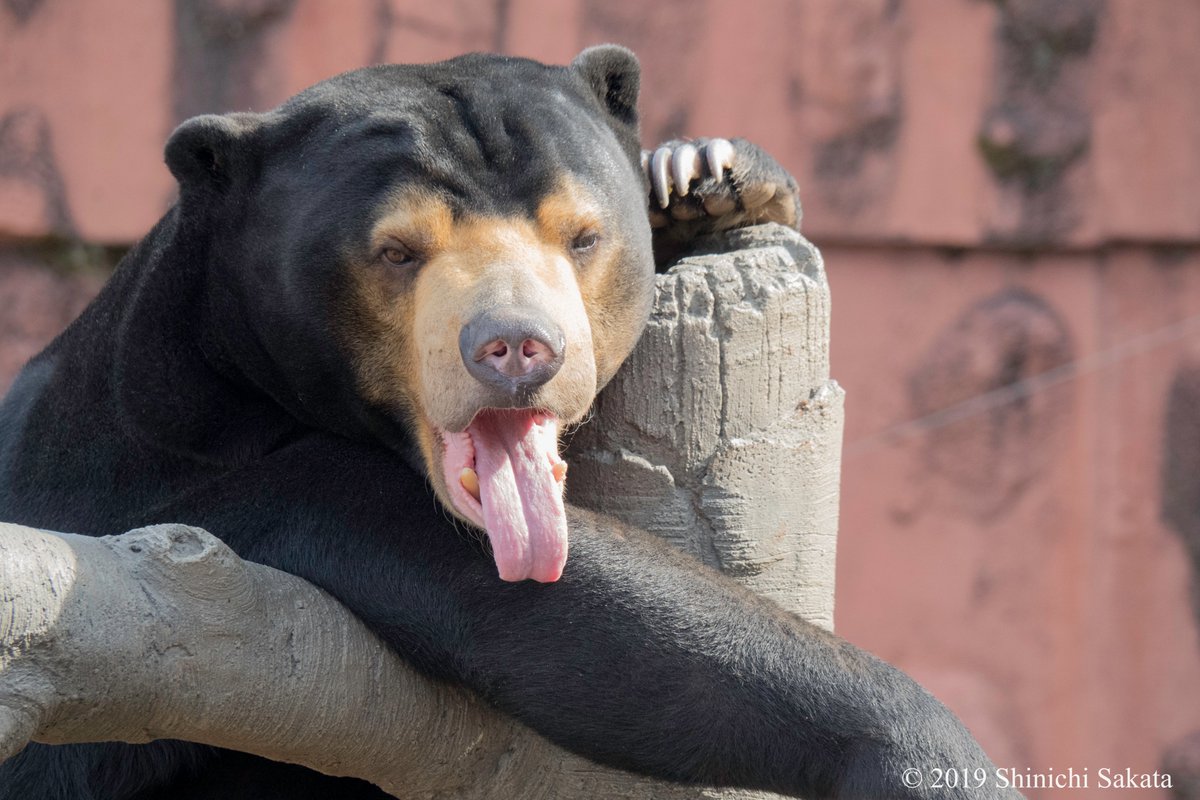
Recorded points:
(730, 689)
(637, 658)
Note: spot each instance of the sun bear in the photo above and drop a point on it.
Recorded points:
(361, 329)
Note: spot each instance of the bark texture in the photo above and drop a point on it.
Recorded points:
(722, 433)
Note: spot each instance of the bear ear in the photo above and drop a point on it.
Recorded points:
(204, 150)
(614, 75)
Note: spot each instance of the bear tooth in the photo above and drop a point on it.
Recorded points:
(560, 471)
(469, 481)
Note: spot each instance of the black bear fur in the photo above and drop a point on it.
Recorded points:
(202, 386)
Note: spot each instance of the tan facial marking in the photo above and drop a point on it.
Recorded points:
(616, 321)
(405, 321)
(493, 263)
(419, 219)
(380, 304)
(567, 212)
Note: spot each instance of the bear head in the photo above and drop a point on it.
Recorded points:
(450, 259)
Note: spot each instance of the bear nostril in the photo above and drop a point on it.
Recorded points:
(496, 349)
(539, 351)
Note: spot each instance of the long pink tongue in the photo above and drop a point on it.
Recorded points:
(522, 502)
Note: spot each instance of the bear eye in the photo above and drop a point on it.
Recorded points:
(585, 241)
(397, 256)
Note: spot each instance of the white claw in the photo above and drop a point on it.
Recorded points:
(660, 176)
(685, 165)
(646, 163)
(720, 157)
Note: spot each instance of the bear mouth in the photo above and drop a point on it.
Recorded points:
(504, 474)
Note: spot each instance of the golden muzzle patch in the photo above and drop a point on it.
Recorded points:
(484, 340)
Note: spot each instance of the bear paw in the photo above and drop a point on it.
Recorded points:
(711, 185)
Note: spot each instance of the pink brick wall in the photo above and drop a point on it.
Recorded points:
(1006, 194)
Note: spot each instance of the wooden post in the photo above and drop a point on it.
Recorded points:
(722, 433)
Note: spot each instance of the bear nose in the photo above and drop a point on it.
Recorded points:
(512, 349)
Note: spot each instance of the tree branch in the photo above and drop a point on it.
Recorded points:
(164, 633)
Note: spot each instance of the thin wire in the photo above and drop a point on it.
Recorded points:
(1018, 390)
